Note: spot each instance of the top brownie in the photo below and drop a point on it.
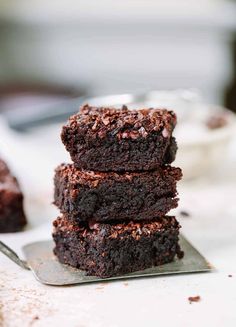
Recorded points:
(110, 139)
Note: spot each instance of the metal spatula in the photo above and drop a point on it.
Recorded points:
(47, 269)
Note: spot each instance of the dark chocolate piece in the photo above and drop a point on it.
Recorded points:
(109, 139)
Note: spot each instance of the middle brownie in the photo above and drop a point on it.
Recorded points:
(96, 196)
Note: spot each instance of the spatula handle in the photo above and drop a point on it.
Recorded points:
(13, 256)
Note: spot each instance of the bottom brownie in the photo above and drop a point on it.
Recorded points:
(107, 250)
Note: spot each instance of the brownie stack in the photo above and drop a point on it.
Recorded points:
(115, 196)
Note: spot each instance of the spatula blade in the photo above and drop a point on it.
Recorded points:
(48, 270)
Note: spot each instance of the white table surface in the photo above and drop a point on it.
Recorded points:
(160, 301)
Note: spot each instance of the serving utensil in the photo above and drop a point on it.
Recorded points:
(48, 270)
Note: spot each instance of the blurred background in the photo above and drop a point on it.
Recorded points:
(56, 55)
(118, 46)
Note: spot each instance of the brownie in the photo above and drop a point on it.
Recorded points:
(105, 196)
(107, 250)
(12, 217)
(110, 139)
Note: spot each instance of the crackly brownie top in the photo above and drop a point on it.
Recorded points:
(124, 122)
(114, 230)
(7, 181)
(92, 178)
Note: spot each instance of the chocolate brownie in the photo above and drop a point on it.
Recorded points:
(104, 196)
(12, 217)
(109, 139)
(107, 250)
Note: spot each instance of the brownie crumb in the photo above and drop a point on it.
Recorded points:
(230, 275)
(180, 254)
(184, 213)
(194, 299)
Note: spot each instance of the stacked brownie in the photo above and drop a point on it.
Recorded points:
(115, 196)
